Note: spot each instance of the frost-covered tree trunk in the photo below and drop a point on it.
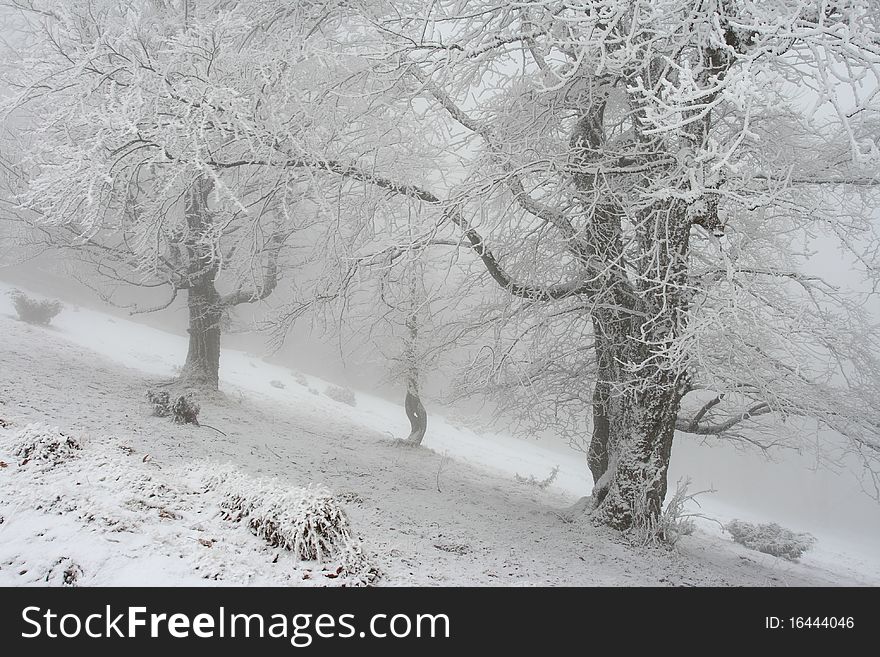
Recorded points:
(415, 410)
(202, 366)
(632, 445)
(639, 389)
(418, 417)
(142, 97)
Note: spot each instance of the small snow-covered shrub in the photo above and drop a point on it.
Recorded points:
(300, 378)
(538, 483)
(183, 410)
(160, 400)
(310, 525)
(33, 311)
(65, 572)
(770, 538)
(341, 395)
(310, 522)
(672, 523)
(41, 443)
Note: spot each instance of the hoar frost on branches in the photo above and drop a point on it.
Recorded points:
(644, 182)
(646, 173)
(119, 114)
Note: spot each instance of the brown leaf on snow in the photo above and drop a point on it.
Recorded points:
(4, 464)
(334, 575)
(206, 542)
(146, 458)
(4, 423)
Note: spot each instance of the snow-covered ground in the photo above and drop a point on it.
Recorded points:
(131, 507)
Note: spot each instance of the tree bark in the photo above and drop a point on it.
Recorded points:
(637, 394)
(202, 367)
(418, 417)
(597, 456)
(641, 429)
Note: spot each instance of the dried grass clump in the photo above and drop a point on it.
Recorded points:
(310, 522)
(770, 538)
(41, 443)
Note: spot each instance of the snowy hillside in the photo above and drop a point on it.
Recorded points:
(131, 505)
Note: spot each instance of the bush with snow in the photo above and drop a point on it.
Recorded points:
(341, 395)
(770, 538)
(33, 311)
(41, 443)
(671, 524)
(310, 522)
(65, 572)
(160, 400)
(183, 410)
(542, 484)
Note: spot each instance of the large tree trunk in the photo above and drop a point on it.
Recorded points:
(637, 393)
(202, 367)
(640, 430)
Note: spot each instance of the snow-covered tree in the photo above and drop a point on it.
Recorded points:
(119, 113)
(646, 180)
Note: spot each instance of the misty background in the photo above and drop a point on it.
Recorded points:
(782, 486)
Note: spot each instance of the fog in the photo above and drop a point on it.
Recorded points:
(495, 239)
(784, 486)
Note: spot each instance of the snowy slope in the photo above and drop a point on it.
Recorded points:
(451, 514)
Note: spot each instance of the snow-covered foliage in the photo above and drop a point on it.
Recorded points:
(64, 572)
(771, 538)
(35, 311)
(160, 400)
(531, 480)
(40, 443)
(152, 150)
(341, 395)
(675, 521)
(134, 512)
(309, 522)
(183, 410)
